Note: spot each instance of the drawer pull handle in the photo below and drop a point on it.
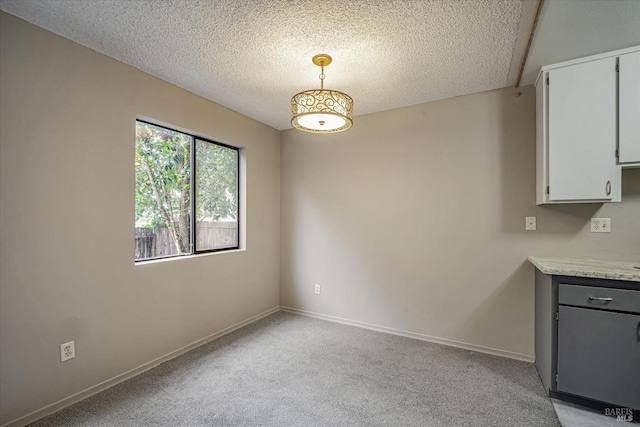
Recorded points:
(603, 299)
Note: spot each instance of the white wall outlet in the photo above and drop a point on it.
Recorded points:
(317, 289)
(67, 351)
(601, 225)
(530, 223)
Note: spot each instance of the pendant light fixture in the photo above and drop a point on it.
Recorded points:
(321, 110)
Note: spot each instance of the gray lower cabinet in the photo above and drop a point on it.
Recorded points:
(599, 355)
(588, 338)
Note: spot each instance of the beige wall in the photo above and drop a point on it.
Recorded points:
(67, 222)
(414, 220)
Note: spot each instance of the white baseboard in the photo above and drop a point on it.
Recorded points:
(429, 338)
(68, 401)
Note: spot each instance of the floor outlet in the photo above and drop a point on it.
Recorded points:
(601, 225)
(67, 351)
(317, 289)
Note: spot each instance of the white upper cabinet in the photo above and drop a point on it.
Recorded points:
(582, 131)
(629, 130)
(587, 113)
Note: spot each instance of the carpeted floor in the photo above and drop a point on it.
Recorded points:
(291, 370)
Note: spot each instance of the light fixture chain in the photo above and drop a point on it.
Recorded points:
(322, 76)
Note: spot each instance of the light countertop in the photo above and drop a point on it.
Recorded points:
(611, 270)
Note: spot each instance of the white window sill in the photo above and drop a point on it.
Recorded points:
(184, 257)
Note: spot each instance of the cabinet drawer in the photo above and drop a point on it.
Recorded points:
(600, 298)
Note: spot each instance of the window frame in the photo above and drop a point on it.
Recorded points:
(192, 193)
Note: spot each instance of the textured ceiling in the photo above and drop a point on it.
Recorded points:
(252, 56)
(573, 29)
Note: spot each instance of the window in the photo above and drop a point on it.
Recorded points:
(186, 194)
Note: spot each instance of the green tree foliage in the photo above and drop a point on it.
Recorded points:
(216, 182)
(163, 182)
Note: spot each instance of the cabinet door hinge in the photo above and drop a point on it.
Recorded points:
(617, 68)
(617, 152)
(556, 378)
(547, 81)
(547, 189)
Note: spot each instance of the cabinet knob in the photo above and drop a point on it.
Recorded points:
(608, 187)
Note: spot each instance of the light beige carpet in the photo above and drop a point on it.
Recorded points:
(290, 370)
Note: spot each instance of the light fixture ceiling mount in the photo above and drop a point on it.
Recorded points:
(322, 110)
(321, 59)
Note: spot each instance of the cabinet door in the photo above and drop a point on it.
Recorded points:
(599, 355)
(582, 131)
(629, 126)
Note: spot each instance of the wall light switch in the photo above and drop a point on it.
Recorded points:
(601, 225)
(530, 223)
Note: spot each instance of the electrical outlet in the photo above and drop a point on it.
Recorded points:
(67, 351)
(530, 223)
(601, 225)
(317, 289)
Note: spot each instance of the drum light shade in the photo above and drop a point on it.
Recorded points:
(322, 110)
